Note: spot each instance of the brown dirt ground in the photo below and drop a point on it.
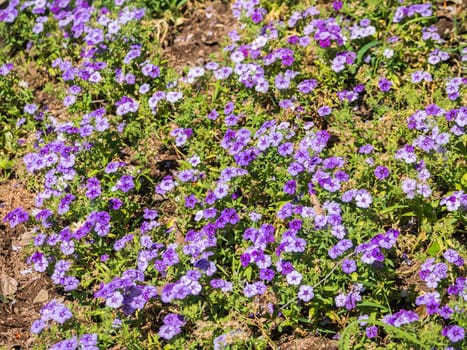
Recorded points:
(199, 35)
(19, 309)
(309, 343)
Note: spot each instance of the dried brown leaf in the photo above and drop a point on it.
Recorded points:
(8, 285)
(41, 297)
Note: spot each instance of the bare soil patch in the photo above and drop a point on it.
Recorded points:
(22, 292)
(309, 343)
(200, 35)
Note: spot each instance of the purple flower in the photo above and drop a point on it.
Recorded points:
(260, 287)
(115, 300)
(363, 199)
(453, 257)
(113, 167)
(217, 283)
(124, 184)
(126, 105)
(400, 318)
(89, 341)
(104, 257)
(173, 324)
(349, 266)
(250, 290)
(340, 300)
(307, 86)
(174, 96)
(115, 203)
(168, 332)
(305, 293)
(445, 312)
(282, 82)
(381, 172)
(67, 344)
(222, 73)
(229, 108)
(6, 68)
(285, 149)
(213, 115)
(132, 54)
(190, 201)
(258, 15)
(285, 211)
(371, 332)
(417, 76)
(150, 70)
(122, 242)
(324, 111)
(55, 311)
(95, 77)
(337, 5)
(266, 274)
(365, 149)
(93, 188)
(454, 333)
(348, 301)
(295, 168)
(30, 108)
(384, 85)
(69, 100)
(38, 325)
(409, 186)
(290, 187)
(455, 201)
(294, 278)
(16, 217)
(181, 135)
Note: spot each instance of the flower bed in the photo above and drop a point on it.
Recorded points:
(317, 181)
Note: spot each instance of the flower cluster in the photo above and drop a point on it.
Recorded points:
(455, 201)
(362, 30)
(437, 56)
(342, 59)
(401, 318)
(420, 75)
(172, 326)
(431, 33)
(349, 300)
(402, 12)
(452, 89)
(6, 68)
(52, 311)
(16, 217)
(85, 342)
(433, 273)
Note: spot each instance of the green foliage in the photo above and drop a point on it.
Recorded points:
(145, 144)
(156, 7)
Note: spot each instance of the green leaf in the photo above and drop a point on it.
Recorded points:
(434, 249)
(364, 50)
(305, 320)
(352, 328)
(248, 271)
(372, 304)
(393, 208)
(415, 20)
